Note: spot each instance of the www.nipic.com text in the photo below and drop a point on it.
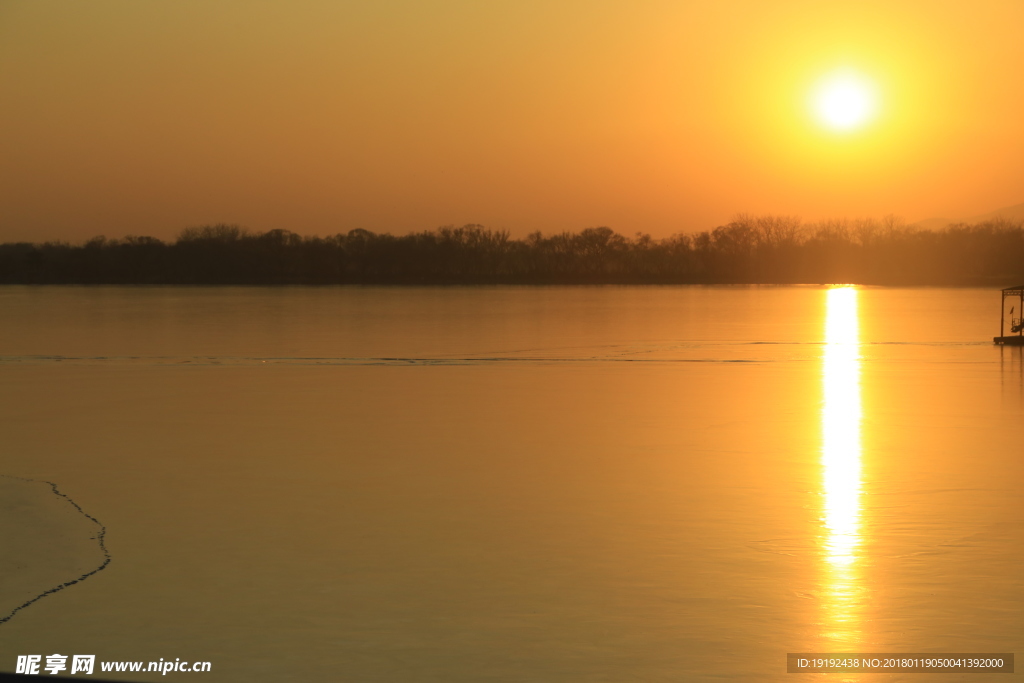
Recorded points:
(86, 664)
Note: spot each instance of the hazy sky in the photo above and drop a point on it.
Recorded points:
(143, 117)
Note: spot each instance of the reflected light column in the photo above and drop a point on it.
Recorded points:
(841, 466)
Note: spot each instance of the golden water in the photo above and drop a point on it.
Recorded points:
(510, 484)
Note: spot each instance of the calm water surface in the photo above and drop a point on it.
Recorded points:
(511, 484)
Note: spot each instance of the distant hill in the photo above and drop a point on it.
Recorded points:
(1013, 213)
(1010, 213)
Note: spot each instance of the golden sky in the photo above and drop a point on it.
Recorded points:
(128, 117)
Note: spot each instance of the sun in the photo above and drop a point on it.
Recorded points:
(844, 101)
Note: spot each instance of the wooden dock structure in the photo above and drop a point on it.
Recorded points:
(1016, 323)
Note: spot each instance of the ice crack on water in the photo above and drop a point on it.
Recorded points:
(48, 543)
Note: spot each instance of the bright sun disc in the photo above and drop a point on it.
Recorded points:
(844, 101)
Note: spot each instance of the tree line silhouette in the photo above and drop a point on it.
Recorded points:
(750, 249)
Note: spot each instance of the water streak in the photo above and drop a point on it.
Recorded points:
(841, 465)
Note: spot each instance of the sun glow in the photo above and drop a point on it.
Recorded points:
(844, 101)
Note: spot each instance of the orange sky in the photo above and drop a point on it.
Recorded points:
(319, 116)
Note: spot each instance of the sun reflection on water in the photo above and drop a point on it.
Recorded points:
(841, 463)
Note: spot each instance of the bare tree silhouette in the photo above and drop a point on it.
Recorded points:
(749, 249)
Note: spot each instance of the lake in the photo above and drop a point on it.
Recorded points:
(508, 483)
